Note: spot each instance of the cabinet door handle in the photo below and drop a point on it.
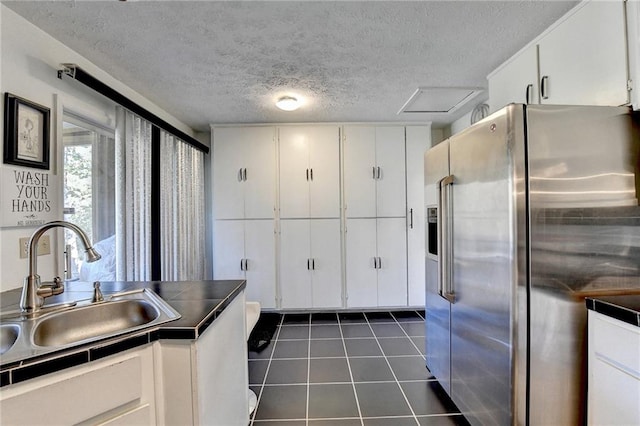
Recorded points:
(379, 172)
(375, 263)
(410, 218)
(246, 264)
(244, 174)
(527, 95)
(307, 174)
(241, 265)
(544, 90)
(311, 174)
(373, 169)
(308, 261)
(313, 264)
(379, 263)
(240, 175)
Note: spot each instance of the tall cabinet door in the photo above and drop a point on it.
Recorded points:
(392, 262)
(295, 258)
(259, 172)
(294, 172)
(362, 275)
(326, 263)
(324, 165)
(260, 261)
(516, 81)
(360, 171)
(228, 162)
(228, 250)
(390, 179)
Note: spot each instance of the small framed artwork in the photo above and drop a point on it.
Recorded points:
(26, 133)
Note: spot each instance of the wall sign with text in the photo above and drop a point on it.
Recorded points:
(29, 197)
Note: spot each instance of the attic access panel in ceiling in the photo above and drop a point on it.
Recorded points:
(443, 100)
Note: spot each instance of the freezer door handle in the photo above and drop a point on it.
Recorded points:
(445, 246)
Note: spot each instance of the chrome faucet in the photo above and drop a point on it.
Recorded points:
(33, 292)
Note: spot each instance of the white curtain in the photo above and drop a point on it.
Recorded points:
(182, 210)
(133, 197)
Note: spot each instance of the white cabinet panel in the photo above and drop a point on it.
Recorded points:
(516, 81)
(310, 267)
(244, 172)
(392, 267)
(362, 275)
(418, 141)
(245, 249)
(585, 58)
(390, 183)
(360, 171)
(309, 172)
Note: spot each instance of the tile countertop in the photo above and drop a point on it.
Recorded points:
(199, 303)
(625, 308)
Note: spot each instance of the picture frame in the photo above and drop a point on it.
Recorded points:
(26, 133)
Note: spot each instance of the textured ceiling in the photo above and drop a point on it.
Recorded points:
(227, 62)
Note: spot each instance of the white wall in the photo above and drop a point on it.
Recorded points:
(29, 60)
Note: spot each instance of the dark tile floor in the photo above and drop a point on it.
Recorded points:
(330, 369)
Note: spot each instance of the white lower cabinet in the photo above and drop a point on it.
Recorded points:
(119, 389)
(310, 266)
(246, 249)
(205, 381)
(376, 262)
(614, 371)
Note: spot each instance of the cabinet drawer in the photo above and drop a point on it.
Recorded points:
(616, 343)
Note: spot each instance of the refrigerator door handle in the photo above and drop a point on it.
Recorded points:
(445, 246)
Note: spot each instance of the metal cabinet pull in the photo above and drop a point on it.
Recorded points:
(373, 170)
(313, 264)
(379, 172)
(307, 174)
(240, 175)
(375, 263)
(445, 247)
(246, 264)
(379, 263)
(311, 174)
(527, 95)
(308, 261)
(410, 218)
(244, 175)
(241, 265)
(543, 87)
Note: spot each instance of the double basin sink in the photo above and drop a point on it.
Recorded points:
(26, 336)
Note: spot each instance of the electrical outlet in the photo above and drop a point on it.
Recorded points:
(44, 246)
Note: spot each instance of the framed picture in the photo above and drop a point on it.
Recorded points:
(26, 133)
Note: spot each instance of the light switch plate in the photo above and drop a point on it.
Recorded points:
(44, 246)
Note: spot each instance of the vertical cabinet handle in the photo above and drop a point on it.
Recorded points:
(246, 264)
(308, 261)
(527, 95)
(375, 263)
(307, 174)
(313, 264)
(379, 172)
(240, 175)
(241, 265)
(410, 218)
(373, 169)
(544, 90)
(311, 174)
(244, 174)
(379, 263)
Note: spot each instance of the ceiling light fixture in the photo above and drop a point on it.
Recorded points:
(288, 103)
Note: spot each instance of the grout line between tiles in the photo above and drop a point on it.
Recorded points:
(306, 422)
(353, 385)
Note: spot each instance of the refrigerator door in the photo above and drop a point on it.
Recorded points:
(484, 267)
(437, 308)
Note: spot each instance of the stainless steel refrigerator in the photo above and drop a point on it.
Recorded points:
(528, 212)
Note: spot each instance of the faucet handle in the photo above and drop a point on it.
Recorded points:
(51, 288)
(97, 294)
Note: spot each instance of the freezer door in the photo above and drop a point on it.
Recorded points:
(484, 270)
(437, 308)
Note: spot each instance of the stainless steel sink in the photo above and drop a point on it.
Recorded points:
(25, 336)
(77, 325)
(8, 335)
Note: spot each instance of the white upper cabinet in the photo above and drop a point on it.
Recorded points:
(244, 172)
(581, 60)
(374, 167)
(309, 171)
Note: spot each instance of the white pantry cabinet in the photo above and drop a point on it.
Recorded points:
(246, 249)
(119, 389)
(580, 60)
(376, 266)
(309, 171)
(244, 172)
(374, 171)
(614, 371)
(310, 266)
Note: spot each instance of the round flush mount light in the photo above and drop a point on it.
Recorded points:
(288, 103)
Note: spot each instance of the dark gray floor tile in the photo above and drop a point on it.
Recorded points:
(282, 402)
(351, 317)
(428, 398)
(397, 346)
(294, 332)
(442, 420)
(410, 368)
(332, 401)
(336, 422)
(362, 347)
(326, 348)
(413, 328)
(324, 318)
(381, 399)
(387, 421)
(407, 316)
(291, 349)
(296, 319)
(420, 343)
(327, 370)
(370, 370)
(387, 330)
(257, 370)
(287, 371)
(379, 317)
(263, 354)
(280, 423)
(325, 332)
(350, 331)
